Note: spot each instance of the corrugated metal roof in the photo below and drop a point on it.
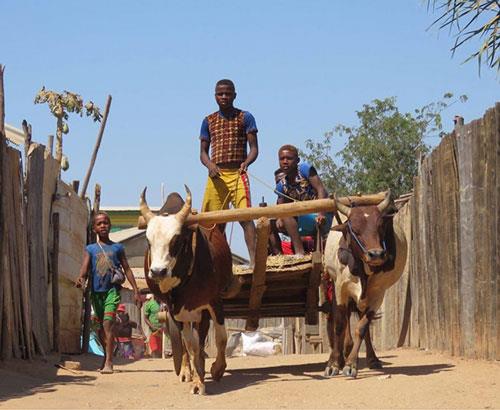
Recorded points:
(14, 134)
(124, 234)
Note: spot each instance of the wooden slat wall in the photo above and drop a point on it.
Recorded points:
(454, 260)
(37, 265)
(25, 294)
(16, 325)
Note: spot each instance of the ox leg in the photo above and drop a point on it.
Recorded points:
(348, 342)
(186, 373)
(371, 358)
(219, 366)
(192, 340)
(203, 329)
(336, 327)
(351, 366)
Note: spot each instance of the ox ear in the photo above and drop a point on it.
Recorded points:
(339, 228)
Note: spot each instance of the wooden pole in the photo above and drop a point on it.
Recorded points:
(3, 253)
(27, 137)
(50, 144)
(55, 282)
(282, 210)
(91, 238)
(275, 211)
(259, 274)
(96, 147)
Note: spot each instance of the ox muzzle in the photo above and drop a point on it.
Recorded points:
(372, 256)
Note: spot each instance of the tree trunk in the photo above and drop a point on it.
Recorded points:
(59, 140)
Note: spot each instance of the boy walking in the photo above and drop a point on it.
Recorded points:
(226, 134)
(99, 258)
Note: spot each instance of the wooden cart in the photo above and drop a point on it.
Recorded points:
(278, 286)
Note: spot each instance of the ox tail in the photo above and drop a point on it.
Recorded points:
(233, 288)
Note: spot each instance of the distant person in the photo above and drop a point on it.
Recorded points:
(226, 134)
(296, 181)
(123, 332)
(99, 258)
(151, 310)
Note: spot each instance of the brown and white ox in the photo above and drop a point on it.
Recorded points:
(364, 256)
(188, 268)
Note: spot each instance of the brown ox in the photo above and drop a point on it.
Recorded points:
(188, 268)
(364, 256)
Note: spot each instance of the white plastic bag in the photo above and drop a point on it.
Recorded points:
(257, 344)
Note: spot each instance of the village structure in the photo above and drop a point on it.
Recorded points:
(446, 299)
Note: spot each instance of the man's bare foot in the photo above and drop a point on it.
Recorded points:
(107, 369)
(103, 363)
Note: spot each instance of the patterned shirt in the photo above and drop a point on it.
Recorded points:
(228, 135)
(299, 189)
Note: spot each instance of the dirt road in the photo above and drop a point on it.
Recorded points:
(410, 379)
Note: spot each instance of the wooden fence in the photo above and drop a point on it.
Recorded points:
(450, 300)
(39, 308)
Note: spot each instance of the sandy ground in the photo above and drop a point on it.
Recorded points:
(410, 379)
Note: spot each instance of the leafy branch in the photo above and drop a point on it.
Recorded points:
(470, 19)
(60, 105)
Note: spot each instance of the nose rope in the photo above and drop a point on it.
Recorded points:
(360, 244)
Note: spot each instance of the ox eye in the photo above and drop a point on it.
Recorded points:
(175, 245)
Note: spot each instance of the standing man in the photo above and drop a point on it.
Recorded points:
(226, 133)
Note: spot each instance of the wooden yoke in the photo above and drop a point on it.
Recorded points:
(275, 211)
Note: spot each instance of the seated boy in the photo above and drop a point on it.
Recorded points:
(298, 182)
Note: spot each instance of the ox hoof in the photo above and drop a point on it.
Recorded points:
(198, 388)
(350, 371)
(217, 372)
(331, 371)
(375, 364)
(185, 376)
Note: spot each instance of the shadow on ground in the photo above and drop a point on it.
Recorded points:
(241, 378)
(21, 378)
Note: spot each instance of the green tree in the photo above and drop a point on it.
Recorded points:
(60, 104)
(468, 20)
(382, 152)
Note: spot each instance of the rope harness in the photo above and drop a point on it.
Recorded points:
(358, 241)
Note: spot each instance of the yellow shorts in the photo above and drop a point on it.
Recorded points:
(230, 187)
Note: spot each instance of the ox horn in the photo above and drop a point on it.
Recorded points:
(145, 211)
(186, 209)
(385, 203)
(343, 209)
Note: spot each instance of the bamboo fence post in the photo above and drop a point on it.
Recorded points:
(96, 147)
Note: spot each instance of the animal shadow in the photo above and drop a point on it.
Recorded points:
(235, 379)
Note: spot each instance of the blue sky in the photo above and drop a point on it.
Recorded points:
(300, 67)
